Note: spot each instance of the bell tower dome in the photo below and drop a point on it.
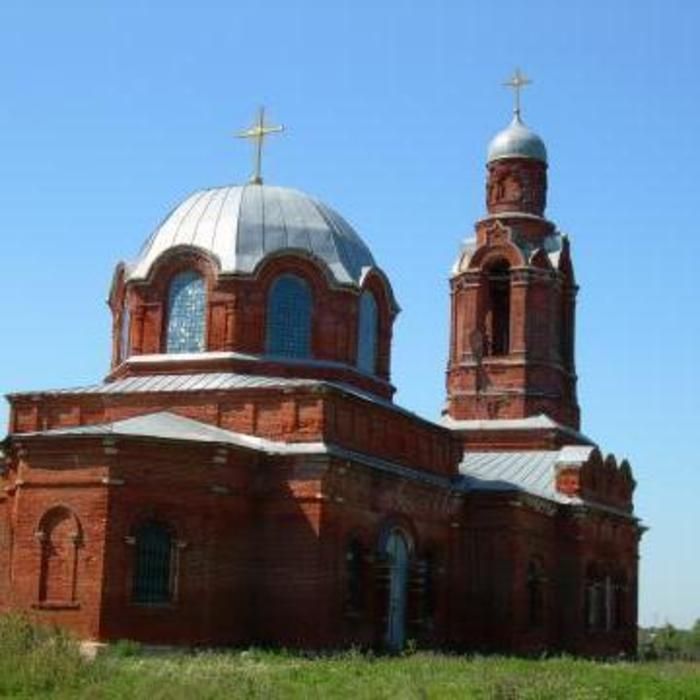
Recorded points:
(513, 295)
(517, 171)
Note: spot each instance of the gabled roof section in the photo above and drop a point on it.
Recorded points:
(164, 426)
(533, 473)
(529, 472)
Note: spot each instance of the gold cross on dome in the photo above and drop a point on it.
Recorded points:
(518, 81)
(258, 132)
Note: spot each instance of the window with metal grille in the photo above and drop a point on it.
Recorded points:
(186, 309)
(153, 565)
(289, 308)
(367, 333)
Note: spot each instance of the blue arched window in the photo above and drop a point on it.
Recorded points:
(367, 333)
(186, 309)
(289, 306)
(153, 564)
(124, 333)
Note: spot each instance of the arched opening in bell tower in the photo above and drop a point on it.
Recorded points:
(497, 319)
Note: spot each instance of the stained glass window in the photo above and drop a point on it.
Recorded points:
(153, 565)
(124, 337)
(289, 317)
(186, 309)
(367, 333)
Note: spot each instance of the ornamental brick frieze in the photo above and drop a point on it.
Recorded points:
(496, 234)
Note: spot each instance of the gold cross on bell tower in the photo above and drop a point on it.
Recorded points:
(518, 81)
(258, 132)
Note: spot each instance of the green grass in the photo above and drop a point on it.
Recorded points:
(38, 663)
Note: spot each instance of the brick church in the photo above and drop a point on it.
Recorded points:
(243, 476)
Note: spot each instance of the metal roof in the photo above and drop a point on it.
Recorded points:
(532, 472)
(541, 421)
(193, 358)
(205, 381)
(517, 141)
(241, 225)
(166, 426)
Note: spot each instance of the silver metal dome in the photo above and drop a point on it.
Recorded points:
(241, 225)
(517, 141)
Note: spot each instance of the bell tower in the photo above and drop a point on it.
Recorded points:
(513, 295)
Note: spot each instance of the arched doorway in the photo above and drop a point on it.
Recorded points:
(396, 549)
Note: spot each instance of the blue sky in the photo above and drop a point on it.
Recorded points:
(112, 112)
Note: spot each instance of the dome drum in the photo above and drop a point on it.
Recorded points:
(516, 185)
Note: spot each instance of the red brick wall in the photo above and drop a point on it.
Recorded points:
(502, 534)
(294, 416)
(262, 542)
(44, 478)
(204, 495)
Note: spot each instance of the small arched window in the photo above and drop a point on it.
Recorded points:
(367, 332)
(124, 333)
(289, 308)
(186, 311)
(152, 583)
(498, 310)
